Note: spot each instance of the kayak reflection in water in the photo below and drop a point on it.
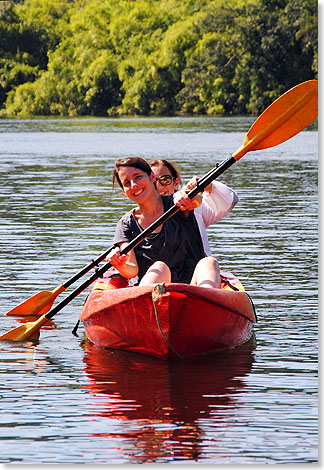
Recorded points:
(174, 252)
(181, 399)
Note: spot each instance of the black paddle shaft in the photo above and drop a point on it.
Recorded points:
(202, 183)
(94, 263)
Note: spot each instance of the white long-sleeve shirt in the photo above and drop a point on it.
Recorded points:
(214, 206)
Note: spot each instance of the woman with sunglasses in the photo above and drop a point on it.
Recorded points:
(174, 251)
(215, 203)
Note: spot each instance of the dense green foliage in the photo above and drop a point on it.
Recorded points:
(153, 57)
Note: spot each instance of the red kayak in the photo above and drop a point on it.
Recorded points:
(168, 320)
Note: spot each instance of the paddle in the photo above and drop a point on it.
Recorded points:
(287, 116)
(42, 302)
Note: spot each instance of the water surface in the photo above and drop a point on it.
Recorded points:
(66, 401)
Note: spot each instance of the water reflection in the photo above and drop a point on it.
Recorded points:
(166, 403)
(128, 124)
(188, 124)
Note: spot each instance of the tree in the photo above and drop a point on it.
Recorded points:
(153, 57)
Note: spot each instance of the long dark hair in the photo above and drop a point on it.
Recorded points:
(170, 166)
(136, 162)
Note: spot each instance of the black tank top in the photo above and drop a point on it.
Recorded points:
(178, 244)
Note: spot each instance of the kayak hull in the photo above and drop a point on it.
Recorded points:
(168, 320)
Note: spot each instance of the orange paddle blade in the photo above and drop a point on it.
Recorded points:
(287, 116)
(27, 331)
(38, 304)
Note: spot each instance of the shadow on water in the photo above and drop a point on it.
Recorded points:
(166, 403)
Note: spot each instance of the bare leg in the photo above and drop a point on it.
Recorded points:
(158, 272)
(206, 273)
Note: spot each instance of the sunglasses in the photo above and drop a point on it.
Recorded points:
(164, 180)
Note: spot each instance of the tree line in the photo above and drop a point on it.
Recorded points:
(153, 57)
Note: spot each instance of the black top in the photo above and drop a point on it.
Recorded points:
(178, 243)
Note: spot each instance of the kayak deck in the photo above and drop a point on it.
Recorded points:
(168, 321)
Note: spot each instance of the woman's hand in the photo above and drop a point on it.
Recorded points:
(181, 199)
(116, 259)
(193, 183)
(125, 264)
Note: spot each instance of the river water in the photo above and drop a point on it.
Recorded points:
(66, 401)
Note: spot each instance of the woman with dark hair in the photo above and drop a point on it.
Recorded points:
(168, 176)
(216, 202)
(174, 252)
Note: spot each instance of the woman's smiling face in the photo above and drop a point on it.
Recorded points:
(137, 185)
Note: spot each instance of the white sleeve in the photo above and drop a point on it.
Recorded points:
(218, 203)
(202, 230)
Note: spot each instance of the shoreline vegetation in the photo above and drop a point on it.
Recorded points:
(116, 58)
